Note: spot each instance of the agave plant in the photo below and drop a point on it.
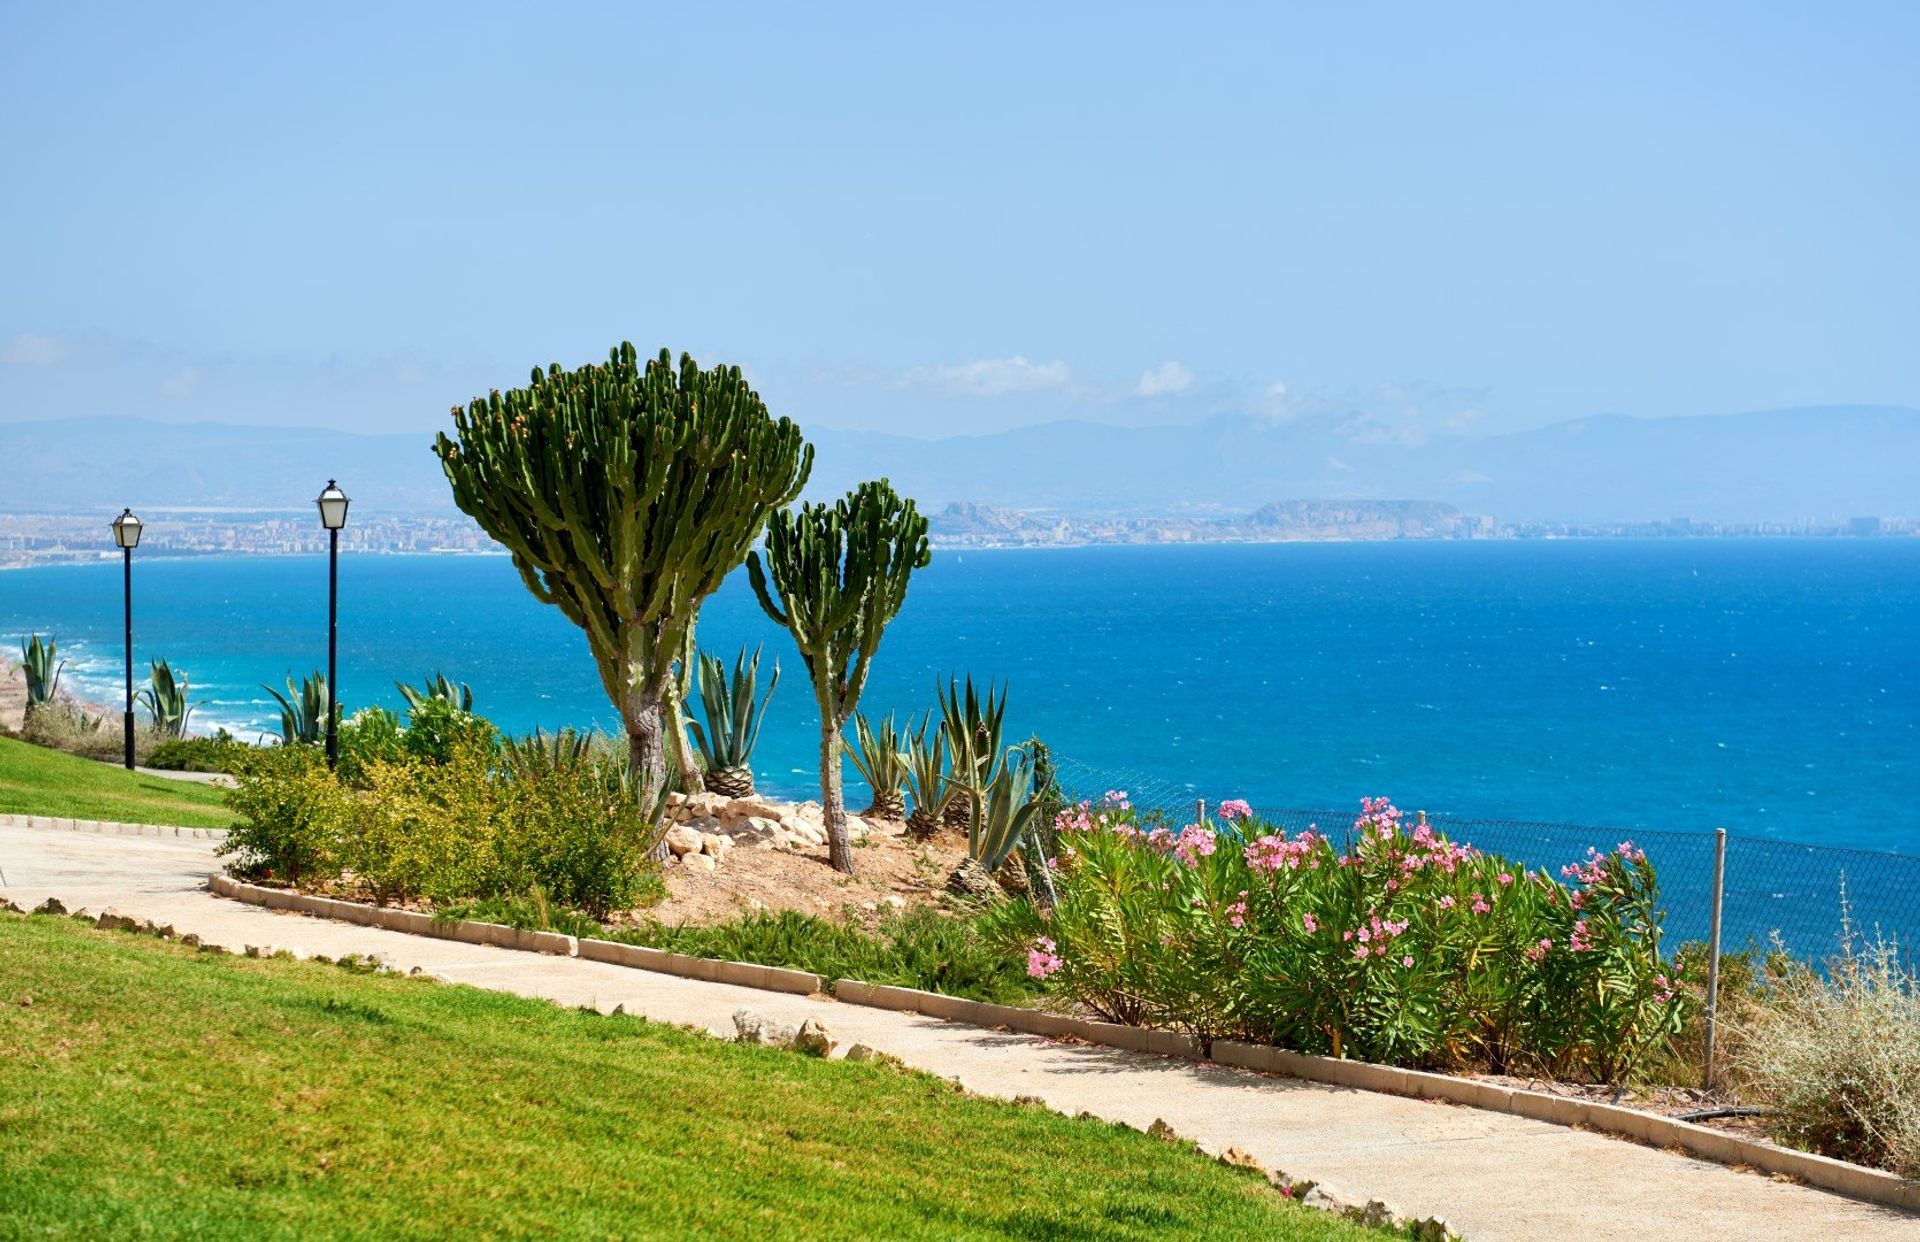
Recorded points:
(1002, 813)
(973, 725)
(927, 778)
(437, 686)
(39, 660)
(541, 753)
(733, 721)
(883, 765)
(165, 699)
(303, 709)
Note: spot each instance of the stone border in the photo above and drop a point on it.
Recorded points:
(1852, 1180)
(109, 826)
(468, 931)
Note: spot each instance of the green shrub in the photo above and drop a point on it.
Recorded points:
(572, 832)
(291, 814)
(1835, 1057)
(437, 728)
(371, 735)
(554, 826)
(222, 752)
(424, 829)
(917, 949)
(1407, 949)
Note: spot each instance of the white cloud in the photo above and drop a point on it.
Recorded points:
(181, 383)
(1277, 390)
(991, 377)
(1169, 377)
(31, 349)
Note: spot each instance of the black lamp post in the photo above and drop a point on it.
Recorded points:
(126, 533)
(333, 515)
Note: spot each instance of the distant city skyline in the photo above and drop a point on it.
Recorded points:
(1472, 219)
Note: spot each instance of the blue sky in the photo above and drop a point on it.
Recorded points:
(1471, 217)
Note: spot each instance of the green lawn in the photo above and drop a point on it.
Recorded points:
(38, 781)
(151, 1090)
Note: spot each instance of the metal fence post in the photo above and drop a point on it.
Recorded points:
(1200, 810)
(1713, 950)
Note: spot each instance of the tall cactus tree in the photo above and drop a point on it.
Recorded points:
(626, 492)
(840, 573)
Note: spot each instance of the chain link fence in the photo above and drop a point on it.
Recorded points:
(1798, 895)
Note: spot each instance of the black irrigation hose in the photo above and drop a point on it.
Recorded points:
(1708, 1114)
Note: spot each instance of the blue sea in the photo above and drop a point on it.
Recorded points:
(1771, 687)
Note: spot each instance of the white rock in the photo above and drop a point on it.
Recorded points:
(813, 1039)
(757, 1028)
(715, 844)
(896, 901)
(683, 840)
(697, 862)
(751, 808)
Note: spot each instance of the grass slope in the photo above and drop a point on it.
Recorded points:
(38, 781)
(147, 1089)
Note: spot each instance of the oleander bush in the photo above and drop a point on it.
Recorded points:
(1834, 1056)
(440, 812)
(1406, 948)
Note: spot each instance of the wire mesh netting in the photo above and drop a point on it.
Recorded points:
(1774, 889)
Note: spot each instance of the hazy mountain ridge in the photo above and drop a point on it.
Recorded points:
(1777, 465)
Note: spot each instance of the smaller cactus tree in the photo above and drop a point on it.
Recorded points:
(879, 753)
(40, 661)
(733, 721)
(840, 574)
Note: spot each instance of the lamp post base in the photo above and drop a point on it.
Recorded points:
(127, 720)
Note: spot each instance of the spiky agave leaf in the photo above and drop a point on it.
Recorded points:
(883, 763)
(165, 699)
(39, 660)
(1001, 816)
(303, 709)
(734, 716)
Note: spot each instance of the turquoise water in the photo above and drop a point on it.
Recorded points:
(1770, 686)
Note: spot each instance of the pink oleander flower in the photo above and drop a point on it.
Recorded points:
(1447, 902)
(1480, 905)
(1042, 960)
(1579, 942)
(1308, 922)
(1506, 879)
(1274, 852)
(1360, 952)
(1237, 912)
(1537, 952)
(1235, 808)
(1407, 960)
(1116, 798)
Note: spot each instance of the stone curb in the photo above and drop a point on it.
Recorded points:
(109, 826)
(387, 917)
(1852, 1180)
(707, 969)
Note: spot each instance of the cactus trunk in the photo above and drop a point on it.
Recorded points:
(833, 802)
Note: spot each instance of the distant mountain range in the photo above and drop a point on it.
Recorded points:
(1771, 466)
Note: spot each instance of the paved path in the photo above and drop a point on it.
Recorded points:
(1494, 1176)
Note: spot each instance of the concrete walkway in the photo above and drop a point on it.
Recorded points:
(1494, 1176)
